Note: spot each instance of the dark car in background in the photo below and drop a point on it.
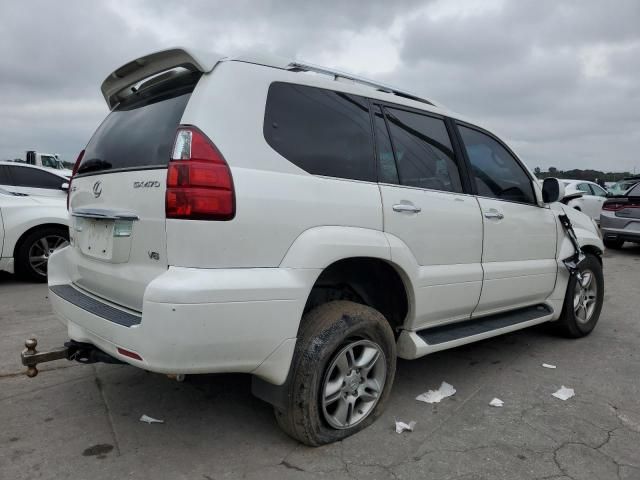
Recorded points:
(620, 218)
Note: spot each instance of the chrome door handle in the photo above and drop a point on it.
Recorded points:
(406, 207)
(493, 214)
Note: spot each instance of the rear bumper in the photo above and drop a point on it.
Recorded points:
(614, 228)
(195, 320)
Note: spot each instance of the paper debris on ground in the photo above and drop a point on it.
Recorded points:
(434, 396)
(496, 402)
(564, 393)
(548, 365)
(150, 420)
(402, 427)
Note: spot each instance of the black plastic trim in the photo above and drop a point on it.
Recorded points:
(96, 307)
(469, 328)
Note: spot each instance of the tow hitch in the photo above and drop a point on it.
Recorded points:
(72, 350)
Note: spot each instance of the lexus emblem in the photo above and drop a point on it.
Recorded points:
(97, 189)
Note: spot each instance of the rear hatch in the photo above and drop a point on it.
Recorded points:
(117, 196)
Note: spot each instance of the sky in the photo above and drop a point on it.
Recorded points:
(558, 80)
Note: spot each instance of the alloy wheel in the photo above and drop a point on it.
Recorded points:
(353, 383)
(41, 250)
(585, 296)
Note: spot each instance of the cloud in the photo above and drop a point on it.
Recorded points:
(556, 79)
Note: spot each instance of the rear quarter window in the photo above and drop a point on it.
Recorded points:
(321, 131)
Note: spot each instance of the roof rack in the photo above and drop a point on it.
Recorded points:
(336, 74)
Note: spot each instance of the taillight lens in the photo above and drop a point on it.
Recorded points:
(73, 173)
(613, 206)
(199, 182)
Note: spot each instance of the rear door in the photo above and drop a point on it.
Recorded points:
(425, 207)
(117, 197)
(598, 197)
(519, 247)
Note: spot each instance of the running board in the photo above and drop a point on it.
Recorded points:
(416, 344)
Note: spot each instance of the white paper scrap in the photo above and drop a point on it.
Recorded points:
(547, 365)
(564, 393)
(402, 427)
(435, 396)
(150, 420)
(496, 402)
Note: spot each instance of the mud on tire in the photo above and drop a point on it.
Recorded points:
(326, 332)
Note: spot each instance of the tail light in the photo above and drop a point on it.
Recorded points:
(614, 206)
(73, 173)
(199, 182)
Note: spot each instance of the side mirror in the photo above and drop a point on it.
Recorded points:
(64, 186)
(552, 190)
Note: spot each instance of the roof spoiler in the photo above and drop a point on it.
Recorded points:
(115, 85)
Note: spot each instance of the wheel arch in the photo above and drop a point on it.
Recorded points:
(372, 281)
(29, 231)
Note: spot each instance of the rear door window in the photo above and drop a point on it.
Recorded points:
(34, 178)
(424, 155)
(584, 187)
(4, 175)
(496, 173)
(139, 133)
(321, 131)
(387, 170)
(598, 191)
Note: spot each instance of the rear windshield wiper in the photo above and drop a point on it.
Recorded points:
(94, 165)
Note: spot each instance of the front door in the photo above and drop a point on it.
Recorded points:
(426, 211)
(519, 247)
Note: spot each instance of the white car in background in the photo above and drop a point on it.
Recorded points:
(593, 196)
(33, 180)
(31, 229)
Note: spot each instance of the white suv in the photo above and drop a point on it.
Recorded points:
(306, 226)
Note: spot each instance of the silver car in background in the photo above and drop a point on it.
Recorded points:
(620, 218)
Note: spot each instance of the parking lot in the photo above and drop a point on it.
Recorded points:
(82, 421)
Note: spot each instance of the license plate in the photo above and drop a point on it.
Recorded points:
(95, 238)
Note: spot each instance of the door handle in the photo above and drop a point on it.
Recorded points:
(406, 207)
(493, 214)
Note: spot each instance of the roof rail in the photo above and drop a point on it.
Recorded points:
(336, 74)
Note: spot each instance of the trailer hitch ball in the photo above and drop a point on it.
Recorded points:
(31, 344)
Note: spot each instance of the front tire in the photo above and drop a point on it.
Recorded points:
(583, 301)
(341, 374)
(32, 254)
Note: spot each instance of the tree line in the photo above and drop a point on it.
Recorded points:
(578, 174)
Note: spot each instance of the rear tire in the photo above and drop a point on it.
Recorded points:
(614, 244)
(332, 393)
(32, 254)
(583, 301)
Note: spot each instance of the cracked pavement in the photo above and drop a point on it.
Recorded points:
(81, 421)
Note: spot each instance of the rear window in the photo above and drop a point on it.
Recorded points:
(139, 132)
(321, 131)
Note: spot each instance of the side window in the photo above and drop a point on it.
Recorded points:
(599, 191)
(34, 178)
(321, 131)
(49, 161)
(424, 155)
(4, 175)
(387, 171)
(635, 191)
(495, 171)
(584, 187)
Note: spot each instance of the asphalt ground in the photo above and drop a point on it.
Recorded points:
(82, 421)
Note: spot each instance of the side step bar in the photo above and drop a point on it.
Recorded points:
(416, 344)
